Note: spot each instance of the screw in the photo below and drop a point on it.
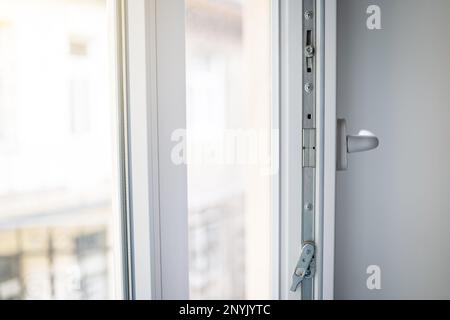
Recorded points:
(309, 15)
(309, 206)
(309, 87)
(309, 51)
(299, 273)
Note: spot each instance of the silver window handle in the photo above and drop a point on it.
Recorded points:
(347, 144)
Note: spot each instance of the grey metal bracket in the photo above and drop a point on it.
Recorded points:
(305, 268)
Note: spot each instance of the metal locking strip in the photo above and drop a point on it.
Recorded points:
(305, 270)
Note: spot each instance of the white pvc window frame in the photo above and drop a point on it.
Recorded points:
(155, 104)
(291, 144)
(291, 86)
(154, 57)
(329, 147)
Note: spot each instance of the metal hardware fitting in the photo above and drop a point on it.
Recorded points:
(306, 267)
(309, 15)
(309, 87)
(309, 148)
(309, 51)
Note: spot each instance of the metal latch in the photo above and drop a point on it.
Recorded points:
(309, 148)
(306, 266)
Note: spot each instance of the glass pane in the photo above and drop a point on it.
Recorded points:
(59, 181)
(229, 148)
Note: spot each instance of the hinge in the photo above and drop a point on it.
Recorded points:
(309, 148)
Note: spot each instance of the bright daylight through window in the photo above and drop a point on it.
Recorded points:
(58, 151)
(230, 143)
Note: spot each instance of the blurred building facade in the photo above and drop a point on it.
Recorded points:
(228, 92)
(57, 181)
